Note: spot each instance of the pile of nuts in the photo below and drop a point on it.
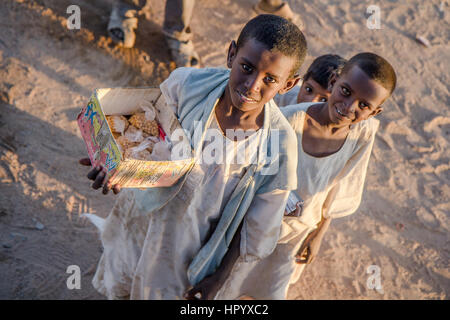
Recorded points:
(136, 135)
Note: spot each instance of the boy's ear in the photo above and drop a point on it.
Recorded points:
(332, 81)
(232, 52)
(377, 111)
(289, 84)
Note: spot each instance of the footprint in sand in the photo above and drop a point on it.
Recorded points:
(440, 122)
(427, 218)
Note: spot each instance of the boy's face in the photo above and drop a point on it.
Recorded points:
(355, 97)
(311, 91)
(257, 75)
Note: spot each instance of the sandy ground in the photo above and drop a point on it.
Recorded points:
(48, 72)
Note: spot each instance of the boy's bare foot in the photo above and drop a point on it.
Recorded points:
(283, 10)
(270, 6)
(183, 53)
(122, 22)
(116, 33)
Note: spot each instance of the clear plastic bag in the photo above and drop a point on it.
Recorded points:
(142, 151)
(134, 134)
(161, 151)
(149, 110)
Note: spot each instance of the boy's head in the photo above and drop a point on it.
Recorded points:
(365, 82)
(264, 61)
(277, 34)
(315, 81)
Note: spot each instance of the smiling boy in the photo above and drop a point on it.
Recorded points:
(159, 242)
(314, 86)
(335, 140)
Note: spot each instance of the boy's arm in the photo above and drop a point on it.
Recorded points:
(310, 246)
(171, 87)
(255, 239)
(209, 286)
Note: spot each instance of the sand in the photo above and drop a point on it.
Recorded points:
(48, 72)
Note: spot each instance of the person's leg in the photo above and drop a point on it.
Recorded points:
(178, 33)
(123, 21)
(270, 5)
(177, 19)
(278, 7)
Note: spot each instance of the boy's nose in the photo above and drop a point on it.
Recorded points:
(253, 84)
(349, 107)
(316, 98)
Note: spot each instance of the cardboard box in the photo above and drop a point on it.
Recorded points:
(103, 149)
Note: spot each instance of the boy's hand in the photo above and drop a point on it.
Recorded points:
(98, 175)
(309, 248)
(207, 288)
(204, 290)
(297, 212)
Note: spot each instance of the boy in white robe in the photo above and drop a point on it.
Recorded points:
(159, 242)
(335, 140)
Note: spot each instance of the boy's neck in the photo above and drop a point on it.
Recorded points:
(230, 117)
(320, 113)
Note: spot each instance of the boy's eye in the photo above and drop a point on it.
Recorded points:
(323, 99)
(246, 68)
(308, 89)
(345, 91)
(363, 105)
(270, 79)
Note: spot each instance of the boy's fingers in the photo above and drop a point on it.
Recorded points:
(187, 295)
(309, 258)
(300, 261)
(245, 297)
(106, 188)
(294, 213)
(98, 180)
(92, 175)
(116, 189)
(193, 294)
(301, 251)
(302, 255)
(85, 161)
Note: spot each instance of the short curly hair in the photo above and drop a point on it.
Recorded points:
(375, 67)
(323, 67)
(277, 34)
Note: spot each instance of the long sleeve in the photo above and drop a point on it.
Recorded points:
(171, 87)
(261, 227)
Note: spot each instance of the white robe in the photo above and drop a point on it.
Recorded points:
(331, 186)
(147, 253)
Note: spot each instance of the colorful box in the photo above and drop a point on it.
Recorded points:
(103, 149)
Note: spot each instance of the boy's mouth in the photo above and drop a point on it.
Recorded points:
(340, 113)
(246, 99)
